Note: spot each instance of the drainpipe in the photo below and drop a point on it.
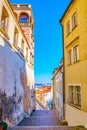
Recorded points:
(63, 75)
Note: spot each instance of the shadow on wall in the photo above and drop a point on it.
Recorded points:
(14, 90)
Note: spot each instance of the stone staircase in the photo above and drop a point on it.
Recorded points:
(42, 120)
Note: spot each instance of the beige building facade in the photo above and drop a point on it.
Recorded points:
(74, 26)
(16, 61)
(58, 90)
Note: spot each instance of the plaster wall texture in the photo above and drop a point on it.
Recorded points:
(16, 72)
(76, 116)
(75, 73)
(15, 80)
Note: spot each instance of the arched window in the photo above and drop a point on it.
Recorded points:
(24, 19)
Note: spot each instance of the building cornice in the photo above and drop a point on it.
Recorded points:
(66, 11)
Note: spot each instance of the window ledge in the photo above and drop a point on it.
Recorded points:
(74, 27)
(4, 33)
(74, 106)
(76, 61)
(69, 64)
(68, 34)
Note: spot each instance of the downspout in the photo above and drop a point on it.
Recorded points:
(63, 75)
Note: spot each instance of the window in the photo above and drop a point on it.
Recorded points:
(15, 38)
(76, 53)
(4, 20)
(78, 96)
(74, 20)
(24, 19)
(69, 57)
(22, 48)
(75, 95)
(71, 94)
(68, 27)
(27, 53)
(31, 58)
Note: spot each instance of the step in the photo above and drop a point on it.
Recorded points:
(44, 113)
(44, 128)
(40, 121)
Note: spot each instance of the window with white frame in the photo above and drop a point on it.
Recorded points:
(71, 94)
(75, 96)
(74, 20)
(75, 53)
(78, 96)
(68, 27)
(69, 57)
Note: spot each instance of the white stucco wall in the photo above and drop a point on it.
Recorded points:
(11, 66)
(59, 95)
(16, 72)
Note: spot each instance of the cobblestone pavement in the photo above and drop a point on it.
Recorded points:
(41, 118)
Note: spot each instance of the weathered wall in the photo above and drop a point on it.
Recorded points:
(14, 84)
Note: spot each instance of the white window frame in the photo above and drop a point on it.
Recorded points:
(75, 53)
(70, 57)
(68, 27)
(74, 20)
(73, 100)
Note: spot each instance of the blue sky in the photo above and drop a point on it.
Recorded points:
(47, 36)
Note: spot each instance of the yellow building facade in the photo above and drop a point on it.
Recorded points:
(74, 27)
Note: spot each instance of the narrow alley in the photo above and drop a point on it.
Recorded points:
(41, 118)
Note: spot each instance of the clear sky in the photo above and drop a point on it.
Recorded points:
(47, 36)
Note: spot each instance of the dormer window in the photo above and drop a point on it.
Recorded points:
(24, 19)
(4, 20)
